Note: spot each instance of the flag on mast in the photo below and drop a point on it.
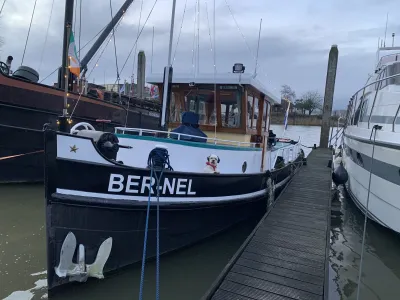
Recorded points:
(286, 116)
(74, 64)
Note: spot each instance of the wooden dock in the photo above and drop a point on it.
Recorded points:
(286, 255)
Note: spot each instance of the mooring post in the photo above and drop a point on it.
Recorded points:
(328, 98)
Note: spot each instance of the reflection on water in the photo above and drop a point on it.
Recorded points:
(187, 274)
(381, 270)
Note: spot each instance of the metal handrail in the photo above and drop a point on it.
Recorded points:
(376, 95)
(392, 54)
(355, 96)
(374, 82)
(395, 117)
(141, 131)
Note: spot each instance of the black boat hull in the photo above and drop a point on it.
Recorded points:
(83, 199)
(22, 145)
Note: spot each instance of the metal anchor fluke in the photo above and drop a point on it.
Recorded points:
(80, 271)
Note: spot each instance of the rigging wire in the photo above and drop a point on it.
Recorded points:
(91, 40)
(215, 73)
(1, 10)
(78, 51)
(115, 51)
(137, 37)
(80, 28)
(29, 31)
(198, 37)
(130, 52)
(94, 66)
(194, 40)
(237, 25)
(211, 50)
(130, 93)
(180, 31)
(45, 40)
(247, 44)
(76, 6)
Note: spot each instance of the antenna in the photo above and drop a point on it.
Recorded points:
(387, 17)
(258, 47)
(393, 34)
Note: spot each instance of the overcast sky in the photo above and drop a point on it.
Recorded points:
(295, 40)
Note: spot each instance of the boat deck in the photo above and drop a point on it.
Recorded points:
(286, 256)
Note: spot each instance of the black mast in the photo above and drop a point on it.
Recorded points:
(62, 122)
(104, 35)
(69, 14)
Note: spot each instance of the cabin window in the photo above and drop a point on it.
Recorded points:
(250, 105)
(202, 103)
(266, 115)
(177, 107)
(230, 108)
(256, 113)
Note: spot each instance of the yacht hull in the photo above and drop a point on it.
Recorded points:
(383, 186)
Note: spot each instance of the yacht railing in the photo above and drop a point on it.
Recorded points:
(141, 131)
(352, 108)
(288, 153)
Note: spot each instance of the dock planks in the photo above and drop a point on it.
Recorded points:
(286, 256)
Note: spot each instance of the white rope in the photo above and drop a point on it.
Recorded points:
(180, 31)
(45, 40)
(366, 218)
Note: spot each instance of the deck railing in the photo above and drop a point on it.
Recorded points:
(357, 103)
(154, 133)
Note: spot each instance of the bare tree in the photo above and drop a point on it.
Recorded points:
(287, 93)
(311, 101)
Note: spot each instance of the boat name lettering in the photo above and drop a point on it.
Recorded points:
(134, 184)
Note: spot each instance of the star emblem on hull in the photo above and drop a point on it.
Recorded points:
(73, 148)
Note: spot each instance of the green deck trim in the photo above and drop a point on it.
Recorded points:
(186, 143)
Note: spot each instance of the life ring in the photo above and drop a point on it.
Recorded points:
(87, 126)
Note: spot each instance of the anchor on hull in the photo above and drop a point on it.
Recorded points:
(81, 271)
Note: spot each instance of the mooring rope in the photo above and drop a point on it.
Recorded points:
(158, 161)
(376, 127)
(19, 155)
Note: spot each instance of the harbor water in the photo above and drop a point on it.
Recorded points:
(187, 274)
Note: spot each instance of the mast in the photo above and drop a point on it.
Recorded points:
(103, 35)
(168, 72)
(69, 13)
(63, 124)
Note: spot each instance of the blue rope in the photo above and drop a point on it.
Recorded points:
(158, 237)
(158, 159)
(145, 242)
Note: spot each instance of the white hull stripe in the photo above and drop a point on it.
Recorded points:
(162, 199)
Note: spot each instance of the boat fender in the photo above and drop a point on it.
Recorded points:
(340, 175)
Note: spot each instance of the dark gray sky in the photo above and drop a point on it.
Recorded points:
(295, 40)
